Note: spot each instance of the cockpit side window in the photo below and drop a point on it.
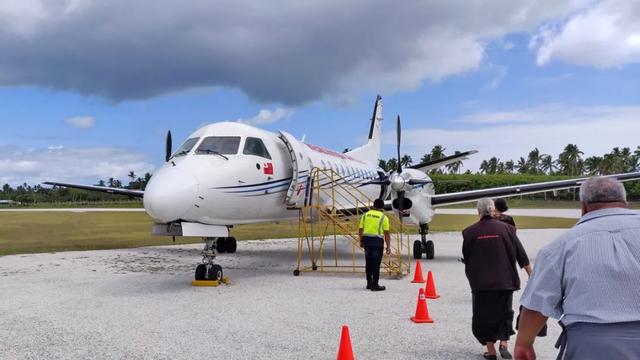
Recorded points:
(225, 145)
(186, 147)
(255, 146)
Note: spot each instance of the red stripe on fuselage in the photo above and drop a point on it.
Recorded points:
(322, 150)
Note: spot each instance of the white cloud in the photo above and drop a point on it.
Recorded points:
(266, 116)
(511, 134)
(57, 163)
(81, 122)
(605, 35)
(500, 72)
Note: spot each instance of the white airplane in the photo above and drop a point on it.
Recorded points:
(231, 173)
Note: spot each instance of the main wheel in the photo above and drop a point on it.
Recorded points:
(201, 272)
(215, 272)
(221, 245)
(430, 250)
(417, 249)
(230, 245)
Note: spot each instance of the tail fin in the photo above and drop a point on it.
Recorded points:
(370, 152)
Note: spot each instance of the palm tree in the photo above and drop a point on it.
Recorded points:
(383, 165)
(593, 165)
(454, 168)
(406, 160)
(437, 153)
(484, 167)
(533, 161)
(509, 166)
(392, 164)
(547, 164)
(493, 165)
(522, 166)
(570, 160)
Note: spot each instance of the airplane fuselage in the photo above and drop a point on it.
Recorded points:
(232, 173)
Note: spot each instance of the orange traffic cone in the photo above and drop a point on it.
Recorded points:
(422, 312)
(418, 277)
(345, 352)
(430, 290)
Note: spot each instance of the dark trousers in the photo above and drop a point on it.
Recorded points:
(373, 258)
(601, 341)
(492, 315)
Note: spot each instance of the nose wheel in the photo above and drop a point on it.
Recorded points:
(423, 246)
(208, 270)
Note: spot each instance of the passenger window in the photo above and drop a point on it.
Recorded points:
(186, 147)
(225, 145)
(255, 146)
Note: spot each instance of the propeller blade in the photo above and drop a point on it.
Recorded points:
(378, 182)
(419, 182)
(168, 146)
(400, 204)
(398, 131)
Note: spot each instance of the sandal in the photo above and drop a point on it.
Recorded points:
(490, 357)
(504, 353)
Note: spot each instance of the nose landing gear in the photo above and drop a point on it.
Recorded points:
(422, 245)
(208, 270)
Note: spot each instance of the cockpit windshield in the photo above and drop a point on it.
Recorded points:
(221, 145)
(186, 147)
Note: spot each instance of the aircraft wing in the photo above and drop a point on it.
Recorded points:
(434, 164)
(516, 190)
(110, 190)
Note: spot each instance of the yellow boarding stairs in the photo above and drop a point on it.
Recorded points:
(328, 228)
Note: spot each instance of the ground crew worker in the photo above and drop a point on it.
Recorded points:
(374, 227)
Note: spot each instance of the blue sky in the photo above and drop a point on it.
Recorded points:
(78, 104)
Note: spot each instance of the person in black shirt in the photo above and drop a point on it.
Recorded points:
(501, 208)
(492, 252)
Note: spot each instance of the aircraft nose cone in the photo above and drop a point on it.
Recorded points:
(170, 194)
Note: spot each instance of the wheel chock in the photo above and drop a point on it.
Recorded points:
(225, 280)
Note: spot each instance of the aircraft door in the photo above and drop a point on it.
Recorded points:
(300, 174)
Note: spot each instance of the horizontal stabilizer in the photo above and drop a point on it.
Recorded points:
(516, 190)
(110, 190)
(434, 164)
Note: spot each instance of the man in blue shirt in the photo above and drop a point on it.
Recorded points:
(589, 278)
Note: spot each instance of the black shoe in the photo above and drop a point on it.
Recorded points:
(504, 353)
(378, 288)
(368, 286)
(490, 357)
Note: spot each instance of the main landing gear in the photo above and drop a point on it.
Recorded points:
(227, 245)
(208, 270)
(423, 246)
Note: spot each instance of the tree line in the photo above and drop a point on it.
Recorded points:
(28, 194)
(570, 162)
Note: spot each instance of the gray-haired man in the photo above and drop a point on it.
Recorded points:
(590, 279)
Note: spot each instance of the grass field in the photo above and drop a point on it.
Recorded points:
(22, 233)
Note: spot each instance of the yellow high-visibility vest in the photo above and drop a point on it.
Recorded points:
(374, 223)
